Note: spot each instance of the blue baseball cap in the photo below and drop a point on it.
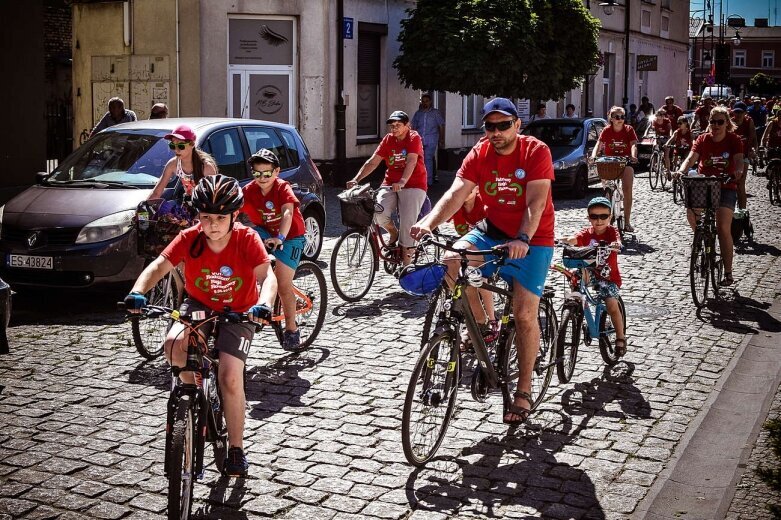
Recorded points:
(599, 201)
(501, 105)
(739, 107)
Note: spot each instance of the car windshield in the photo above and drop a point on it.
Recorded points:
(131, 158)
(557, 134)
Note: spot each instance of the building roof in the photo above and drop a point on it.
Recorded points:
(751, 32)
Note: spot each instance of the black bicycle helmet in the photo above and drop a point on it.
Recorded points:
(218, 195)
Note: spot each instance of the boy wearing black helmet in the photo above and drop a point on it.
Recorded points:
(224, 262)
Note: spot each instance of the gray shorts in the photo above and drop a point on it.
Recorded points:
(729, 198)
(232, 338)
(408, 201)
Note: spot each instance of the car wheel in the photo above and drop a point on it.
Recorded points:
(314, 225)
(580, 185)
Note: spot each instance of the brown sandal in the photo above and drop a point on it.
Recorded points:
(521, 412)
(620, 347)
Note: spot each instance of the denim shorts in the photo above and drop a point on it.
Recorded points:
(290, 253)
(530, 271)
(729, 198)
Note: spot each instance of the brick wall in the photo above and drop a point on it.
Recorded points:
(57, 35)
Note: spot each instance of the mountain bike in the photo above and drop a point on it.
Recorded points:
(584, 310)
(194, 412)
(430, 400)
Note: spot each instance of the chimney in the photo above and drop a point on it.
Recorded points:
(760, 22)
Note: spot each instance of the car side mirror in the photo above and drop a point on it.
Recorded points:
(40, 177)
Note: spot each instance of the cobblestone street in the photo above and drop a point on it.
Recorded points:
(82, 414)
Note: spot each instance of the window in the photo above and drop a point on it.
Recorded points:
(665, 27)
(768, 59)
(369, 75)
(292, 149)
(470, 114)
(259, 137)
(667, 4)
(739, 58)
(645, 20)
(225, 147)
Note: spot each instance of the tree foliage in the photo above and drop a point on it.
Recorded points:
(763, 84)
(536, 49)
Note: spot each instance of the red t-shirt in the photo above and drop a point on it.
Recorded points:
(673, 113)
(502, 181)
(717, 158)
(395, 154)
(683, 140)
(224, 279)
(587, 237)
(465, 220)
(618, 144)
(266, 210)
(663, 128)
(744, 132)
(702, 115)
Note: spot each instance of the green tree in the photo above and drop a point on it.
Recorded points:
(763, 84)
(536, 49)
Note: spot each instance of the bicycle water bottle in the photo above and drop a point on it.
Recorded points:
(474, 276)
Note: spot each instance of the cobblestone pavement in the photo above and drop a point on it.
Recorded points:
(752, 494)
(82, 415)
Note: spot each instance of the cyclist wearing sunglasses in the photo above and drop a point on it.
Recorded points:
(716, 152)
(275, 213)
(608, 279)
(189, 163)
(682, 140)
(514, 175)
(224, 264)
(620, 140)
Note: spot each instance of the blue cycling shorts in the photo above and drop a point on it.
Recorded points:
(530, 272)
(291, 251)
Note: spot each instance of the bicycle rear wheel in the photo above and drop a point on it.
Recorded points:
(309, 286)
(431, 398)
(699, 270)
(354, 262)
(541, 374)
(653, 170)
(181, 476)
(607, 335)
(567, 342)
(149, 333)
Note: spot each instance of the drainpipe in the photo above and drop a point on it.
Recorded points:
(178, 79)
(126, 22)
(341, 108)
(626, 56)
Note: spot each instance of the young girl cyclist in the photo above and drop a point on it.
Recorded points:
(189, 163)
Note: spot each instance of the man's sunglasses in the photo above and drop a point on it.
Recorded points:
(262, 173)
(617, 116)
(501, 126)
(174, 146)
(601, 216)
(718, 121)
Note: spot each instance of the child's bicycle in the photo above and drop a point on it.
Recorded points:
(194, 414)
(581, 302)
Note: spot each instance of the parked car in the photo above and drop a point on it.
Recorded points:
(74, 228)
(571, 141)
(717, 91)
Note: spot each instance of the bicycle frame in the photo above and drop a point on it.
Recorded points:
(582, 296)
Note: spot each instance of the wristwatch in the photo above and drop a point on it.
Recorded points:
(523, 237)
(281, 237)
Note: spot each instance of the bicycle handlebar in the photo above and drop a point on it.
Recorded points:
(157, 311)
(498, 251)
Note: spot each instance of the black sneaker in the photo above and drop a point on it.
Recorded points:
(236, 464)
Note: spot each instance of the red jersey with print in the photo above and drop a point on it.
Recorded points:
(715, 158)
(618, 144)
(395, 154)
(588, 237)
(465, 220)
(662, 128)
(266, 210)
(220, 279)
(502, 182)
(774, 136)
(681, 139)
(744, 131)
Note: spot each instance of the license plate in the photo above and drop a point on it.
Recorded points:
(30, 262)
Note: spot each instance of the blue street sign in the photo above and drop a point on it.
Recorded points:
(347, 28)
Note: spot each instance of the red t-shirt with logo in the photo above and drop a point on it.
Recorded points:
(465, 220)
(266, 210)
(395, 154)
(587, 237)
(224, 279)
(618, 144)
(502, 182)
(682, 139)
(662, 128)
(717, 158)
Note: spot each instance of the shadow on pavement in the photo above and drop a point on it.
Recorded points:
(734, 314)
(151, 373)
(590, 398)
(277, 386)
(754, 248)
(224, 501)
(398, 301)
(64, 307)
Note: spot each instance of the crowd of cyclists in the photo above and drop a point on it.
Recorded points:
(500, 198)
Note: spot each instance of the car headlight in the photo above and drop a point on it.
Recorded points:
(106, 228)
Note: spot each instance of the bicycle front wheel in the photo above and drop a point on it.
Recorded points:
(149, 333)
(354, 262)
(431, 398)
(773, 184)
(181, 476)
(607, 335)
(699, 270)
(311, 295)
(567, 342)
(662, 174)
(677, 191)
(653, 170)
(435, 307)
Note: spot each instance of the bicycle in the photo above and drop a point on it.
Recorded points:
(705, 264)
(358, 251)
(149, 332)
(773, 174)
(431, 393)
(580, 264)
(610, 170)
(656, 171)
(194, 412)
(679, 155)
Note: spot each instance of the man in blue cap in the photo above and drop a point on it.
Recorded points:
(514, 174)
